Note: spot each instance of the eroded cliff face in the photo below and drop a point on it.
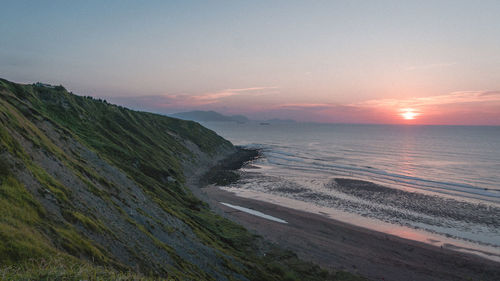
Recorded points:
(90, 190)
(121, 202)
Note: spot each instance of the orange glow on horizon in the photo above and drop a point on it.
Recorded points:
(409, 113)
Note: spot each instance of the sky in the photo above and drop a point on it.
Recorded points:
(402, 62)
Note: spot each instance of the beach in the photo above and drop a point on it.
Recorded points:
(337, 245)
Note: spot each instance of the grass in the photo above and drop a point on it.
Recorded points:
(90, 223)
(20, 220)
(149, 149)
(59, 268)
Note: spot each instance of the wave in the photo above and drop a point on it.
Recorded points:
(314, 164)
(469, 221)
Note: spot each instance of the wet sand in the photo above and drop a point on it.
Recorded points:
(338, 245)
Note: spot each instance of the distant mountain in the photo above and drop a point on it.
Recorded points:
(212, 116)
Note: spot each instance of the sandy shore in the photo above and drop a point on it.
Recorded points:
(334, 244)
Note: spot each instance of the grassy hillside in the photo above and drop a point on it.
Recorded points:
(90, 190)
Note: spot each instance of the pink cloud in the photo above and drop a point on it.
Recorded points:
(464, 107)
(317, 106)
(452, 98)
(214, 97)
(185, 101)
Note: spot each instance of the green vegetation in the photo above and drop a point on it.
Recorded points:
(59, 268)
(150, 150)
(20, 216)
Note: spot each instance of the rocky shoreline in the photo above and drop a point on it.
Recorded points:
(224, 172)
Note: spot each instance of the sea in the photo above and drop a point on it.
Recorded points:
(434, 184)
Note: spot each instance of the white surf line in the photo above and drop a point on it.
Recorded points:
(253, 212)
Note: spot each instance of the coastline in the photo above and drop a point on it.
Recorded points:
(343, 246)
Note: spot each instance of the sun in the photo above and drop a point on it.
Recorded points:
(409, 113)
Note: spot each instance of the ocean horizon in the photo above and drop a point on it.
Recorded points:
(436, 184)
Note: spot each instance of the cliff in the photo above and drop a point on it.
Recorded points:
(91, 190)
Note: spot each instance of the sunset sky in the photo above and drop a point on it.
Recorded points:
(408, 62)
